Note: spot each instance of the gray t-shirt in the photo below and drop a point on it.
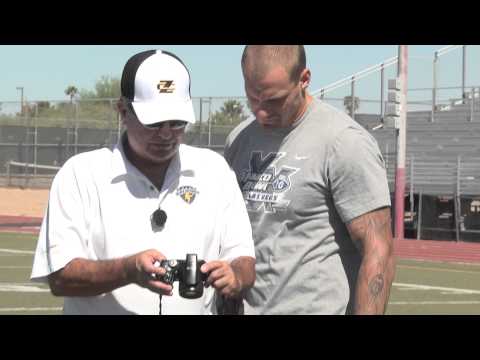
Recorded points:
(301, 185)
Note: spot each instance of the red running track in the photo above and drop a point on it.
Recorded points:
(431, 250)
(437, 250)
(22, 224)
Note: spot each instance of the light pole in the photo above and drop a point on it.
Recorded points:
(401, 143)
(21, 99)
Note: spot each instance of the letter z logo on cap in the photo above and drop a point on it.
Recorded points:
(166, 86)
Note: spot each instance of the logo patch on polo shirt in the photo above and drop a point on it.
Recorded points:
(187, 193)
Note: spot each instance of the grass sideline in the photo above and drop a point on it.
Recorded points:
(420, 287)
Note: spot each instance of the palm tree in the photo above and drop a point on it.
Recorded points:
(71, 91)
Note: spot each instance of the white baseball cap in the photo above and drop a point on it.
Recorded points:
(157, 83)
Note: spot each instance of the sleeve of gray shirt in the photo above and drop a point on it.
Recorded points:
(357, 174)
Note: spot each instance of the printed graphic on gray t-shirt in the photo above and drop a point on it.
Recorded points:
(301, 185)
(264, 185)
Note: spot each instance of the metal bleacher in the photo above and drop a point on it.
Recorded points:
(443, 157)
(442, 160)
(443, 141)
(442, 166)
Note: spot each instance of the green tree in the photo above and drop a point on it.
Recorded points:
(96, 105)
(94, 110)
(106, 87)
(71, 91)
(351, 106)
(43, 105)
(231, 113)
(43, 108)
(87, 94)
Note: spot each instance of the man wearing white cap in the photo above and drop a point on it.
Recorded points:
(114, 215)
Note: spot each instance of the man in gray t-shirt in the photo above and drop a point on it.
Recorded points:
(315, 187)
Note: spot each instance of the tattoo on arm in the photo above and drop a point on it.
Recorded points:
(371, 233)
(370, 227)
(375, 286)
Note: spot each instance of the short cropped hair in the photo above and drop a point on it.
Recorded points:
(258, 59)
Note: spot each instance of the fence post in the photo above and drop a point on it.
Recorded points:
(27, 176)
(387, 164)
(75, 138)
(111, 127)
(119, 125)
(382, 84)
(457, 217)
(200, 123)
(472, 104)
(412, 200)
(209, 124)
(8, 174)
(419, 223)
(60, 152)
(456, 202)
(35, 139)
(352, 104)
(20, 152)
(434, 87)
(464, 70)
(27, 150)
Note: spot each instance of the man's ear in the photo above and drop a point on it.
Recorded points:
(122, 109)
(121, 106)
(305, 78)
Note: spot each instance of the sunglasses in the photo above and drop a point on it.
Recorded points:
(172, 124)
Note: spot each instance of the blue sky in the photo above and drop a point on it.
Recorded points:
(45, 71)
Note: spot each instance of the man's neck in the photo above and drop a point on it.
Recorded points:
(303, 108)
(155, 172)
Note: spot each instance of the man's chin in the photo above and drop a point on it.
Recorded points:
(268, 124)
(273, 123)
(161, 158)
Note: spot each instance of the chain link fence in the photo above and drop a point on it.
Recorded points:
(49, 132)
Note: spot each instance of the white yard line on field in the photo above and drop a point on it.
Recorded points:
(12, 251)
(473, 302)
(440, 288)
(22, 287)
(437, 269)
(14, 267)
(30, 309)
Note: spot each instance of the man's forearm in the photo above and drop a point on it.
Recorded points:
(244, 269)
(373, 283)
(82, 277)
(372, 234)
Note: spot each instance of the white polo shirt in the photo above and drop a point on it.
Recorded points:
(100, 206)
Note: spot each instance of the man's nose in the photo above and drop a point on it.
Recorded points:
(261, 114)
(164, 131)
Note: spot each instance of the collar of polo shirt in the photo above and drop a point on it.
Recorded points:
(121, 166)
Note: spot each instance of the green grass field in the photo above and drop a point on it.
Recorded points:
(419, 287)
(17, 294)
